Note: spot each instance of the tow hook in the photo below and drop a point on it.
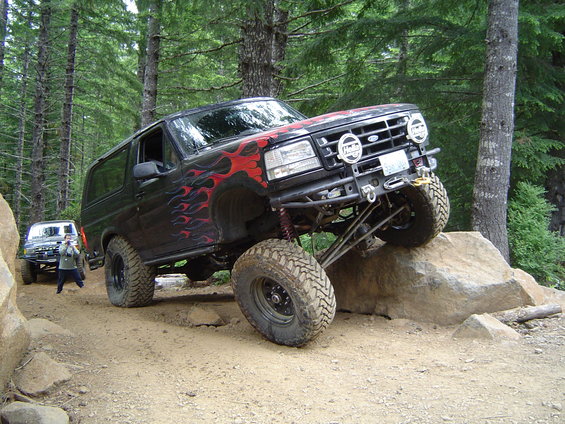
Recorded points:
(369, 192)
(424, 177)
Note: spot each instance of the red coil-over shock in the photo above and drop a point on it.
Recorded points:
(288, 230)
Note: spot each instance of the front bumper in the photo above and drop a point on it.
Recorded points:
(354, 185)
(42, 259)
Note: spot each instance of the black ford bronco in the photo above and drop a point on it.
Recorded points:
(232, 186)
(41, 248)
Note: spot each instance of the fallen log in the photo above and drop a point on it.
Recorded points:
(528, 313)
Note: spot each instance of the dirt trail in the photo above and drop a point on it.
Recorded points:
(145, 366)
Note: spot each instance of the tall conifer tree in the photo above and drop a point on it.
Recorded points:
(492, 177)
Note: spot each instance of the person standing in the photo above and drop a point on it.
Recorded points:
(68, 256)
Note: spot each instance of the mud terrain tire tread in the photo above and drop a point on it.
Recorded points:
(300, 275)
(432, 213)
(28, 271)
(138, 285)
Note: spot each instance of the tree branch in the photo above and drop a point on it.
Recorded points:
(195, 52)
(316, 84)
(191, 89)
(317, 12)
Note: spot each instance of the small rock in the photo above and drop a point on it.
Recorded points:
(485, 326)
(199, 317)
(29, 413)
(40, 327)
(538, 351)
(40, 375)
(83, 390)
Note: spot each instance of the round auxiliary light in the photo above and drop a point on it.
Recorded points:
(417, 129)
(349, 148)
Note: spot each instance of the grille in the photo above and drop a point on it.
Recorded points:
(43, 251)
(387, 134)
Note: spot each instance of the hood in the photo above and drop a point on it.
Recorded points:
(328, 121)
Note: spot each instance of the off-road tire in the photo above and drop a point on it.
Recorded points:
(28, 271)
(283, 292)
(129, 282)
(81, 266)
(426, 217)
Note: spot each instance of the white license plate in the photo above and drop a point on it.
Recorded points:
(394, 162)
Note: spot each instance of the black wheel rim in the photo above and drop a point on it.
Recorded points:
(118, 273)
(272, 300)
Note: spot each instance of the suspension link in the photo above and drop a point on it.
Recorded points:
(340, 247)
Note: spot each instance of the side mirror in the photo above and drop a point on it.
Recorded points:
(145, 170)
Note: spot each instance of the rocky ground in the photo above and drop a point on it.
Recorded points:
(148, 365)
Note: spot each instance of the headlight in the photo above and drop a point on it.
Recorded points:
(290, 159)
(417, 129)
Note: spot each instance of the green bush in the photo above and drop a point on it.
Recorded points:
(321, 240)
(71, 212)
(533, 247)
(220, 278)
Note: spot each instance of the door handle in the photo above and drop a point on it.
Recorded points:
(140, 195)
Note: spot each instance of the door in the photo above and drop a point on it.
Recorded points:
(153, 195)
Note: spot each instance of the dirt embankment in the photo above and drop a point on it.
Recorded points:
(145, 365)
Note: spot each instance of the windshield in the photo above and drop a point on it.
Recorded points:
(52, 229)
(203, 129)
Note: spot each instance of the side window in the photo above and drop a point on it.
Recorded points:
(108, 176)
(69, 229)
(155, 148)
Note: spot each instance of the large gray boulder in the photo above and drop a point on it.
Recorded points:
(451, 278)
(9, 236)
(14, 332)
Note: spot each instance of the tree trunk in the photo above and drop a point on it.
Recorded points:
(555, 183)
(556, 195)
(66, 122)
(262, 50)
(492, 176)
(528, 313)
(403, 5)
(150, 76)
(38, 140)
(256, 54)
(140, 73)
(280, 40)
(21, 130)
(3, 32)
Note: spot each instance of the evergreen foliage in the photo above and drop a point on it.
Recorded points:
(534, 248)
(339, 54)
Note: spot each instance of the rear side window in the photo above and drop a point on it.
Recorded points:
(107, 177)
